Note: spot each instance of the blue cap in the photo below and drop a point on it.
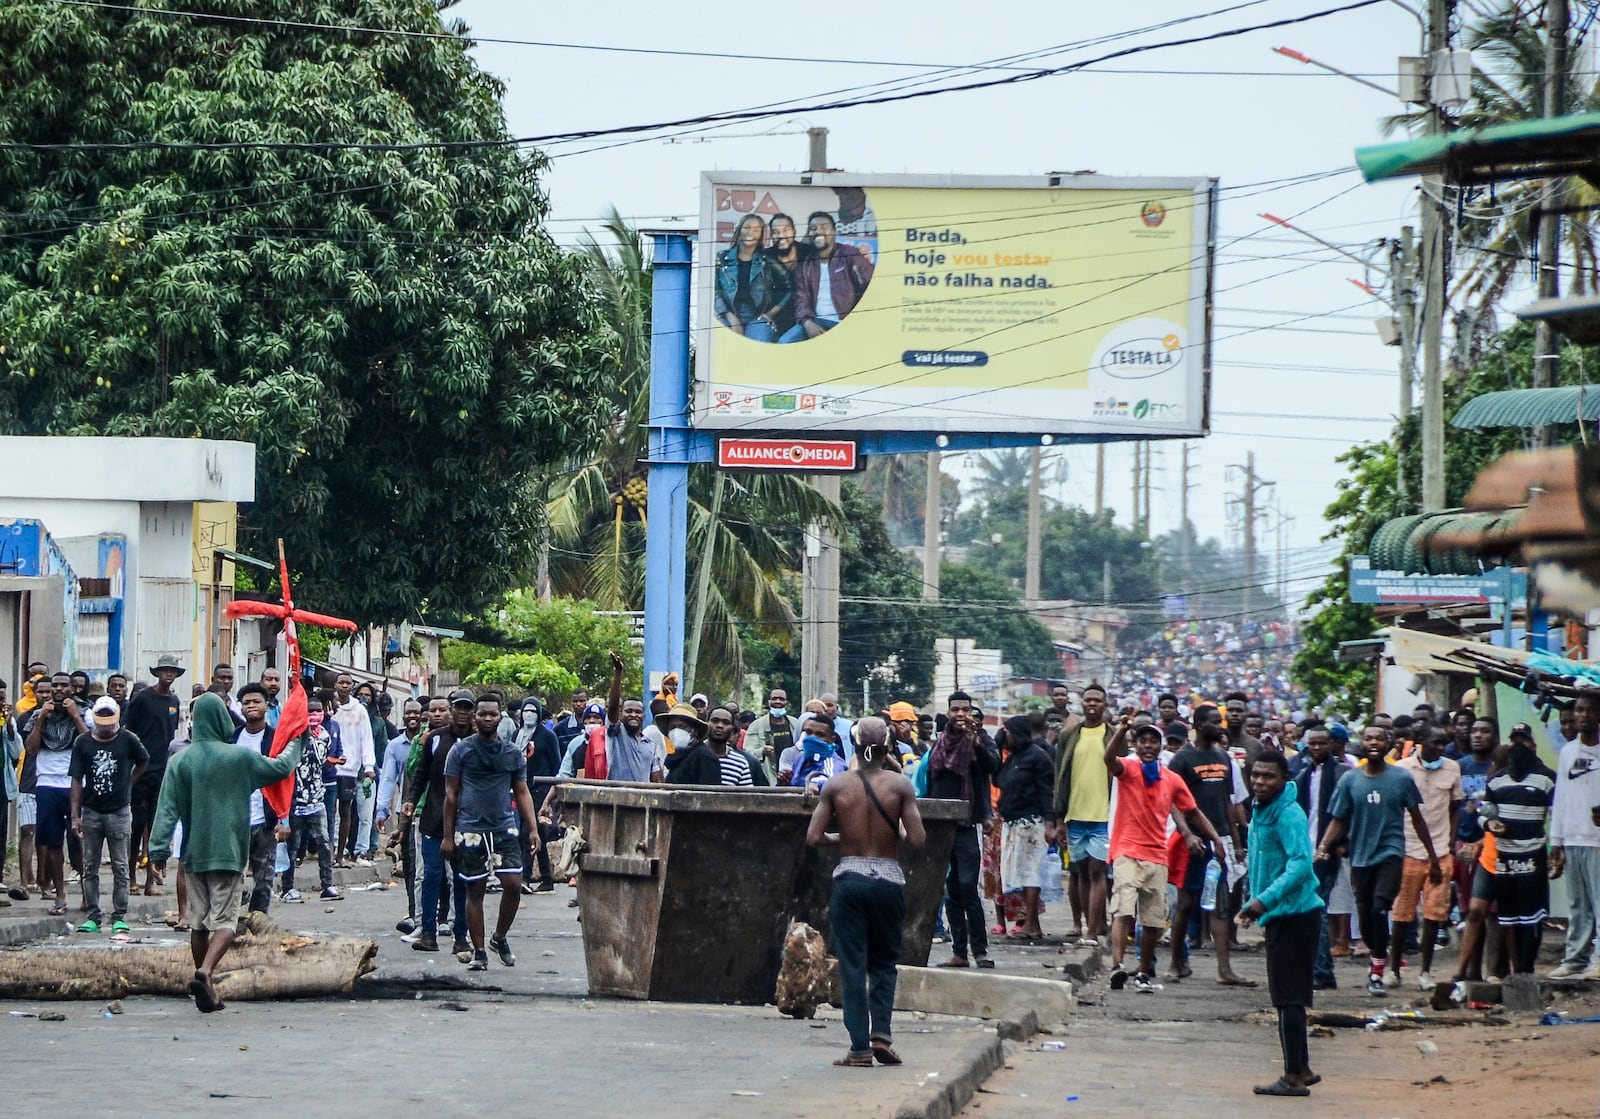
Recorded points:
(1339, 731)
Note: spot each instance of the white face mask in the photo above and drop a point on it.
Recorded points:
(530, 718)
(680, 738)
(777, 712)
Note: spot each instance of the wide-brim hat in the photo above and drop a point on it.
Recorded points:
(687, 713)
(167, 660)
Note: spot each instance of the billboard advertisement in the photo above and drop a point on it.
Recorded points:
(1061, 304)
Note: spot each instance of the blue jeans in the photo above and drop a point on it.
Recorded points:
(758, 331)
(1327, 873)
(797, 332)
(432, 881)
(868, 917)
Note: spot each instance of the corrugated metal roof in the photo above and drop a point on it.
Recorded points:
(1403, 544)
(1564, 404)
(1524, 149)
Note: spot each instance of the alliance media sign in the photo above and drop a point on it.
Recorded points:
(802, 456)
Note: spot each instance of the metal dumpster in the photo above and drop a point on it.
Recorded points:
(687, 891)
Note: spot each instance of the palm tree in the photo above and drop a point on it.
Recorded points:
(1001, 472)
(597, 507)
(1498, 231)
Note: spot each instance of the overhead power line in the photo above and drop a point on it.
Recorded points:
(708, 118)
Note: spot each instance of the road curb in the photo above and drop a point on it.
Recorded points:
(14, 931)
(956, 1085)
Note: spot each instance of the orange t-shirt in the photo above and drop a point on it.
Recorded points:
(1486, 856)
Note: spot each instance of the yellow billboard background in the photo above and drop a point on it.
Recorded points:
(977, 291)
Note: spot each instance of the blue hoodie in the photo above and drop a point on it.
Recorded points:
(1281, 875)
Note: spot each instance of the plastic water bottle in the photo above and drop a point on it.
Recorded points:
(1208, 892)
(280, 862)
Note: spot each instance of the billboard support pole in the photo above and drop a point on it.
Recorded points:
(671, 451)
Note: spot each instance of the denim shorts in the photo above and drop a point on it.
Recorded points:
(1087, 841)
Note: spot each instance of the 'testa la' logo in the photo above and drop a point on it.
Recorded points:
(1134, 359)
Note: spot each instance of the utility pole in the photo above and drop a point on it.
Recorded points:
(1546, 355)
(1433, 255)
(1402, 270)
(1138, 461)
(1253, 484)
(1099, 478)
(1183, 526)
(1145, 517)
(819, 666)
(930, 531)
(1030, 579)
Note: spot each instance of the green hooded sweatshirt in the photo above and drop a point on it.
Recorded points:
(207, 789)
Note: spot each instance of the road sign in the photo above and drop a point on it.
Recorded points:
(1368, 585)
(802, 456)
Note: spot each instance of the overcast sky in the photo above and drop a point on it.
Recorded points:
(1299, 371)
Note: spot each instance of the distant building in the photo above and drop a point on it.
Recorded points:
(109, 551)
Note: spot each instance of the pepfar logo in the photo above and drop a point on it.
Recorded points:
(1131, 354)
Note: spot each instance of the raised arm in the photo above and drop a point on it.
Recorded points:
(614, 696)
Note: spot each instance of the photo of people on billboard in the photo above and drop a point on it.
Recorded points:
(784, 278)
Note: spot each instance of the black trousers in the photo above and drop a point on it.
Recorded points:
(1375, 888)
(963, 903)
(146, 792)
(868, 918)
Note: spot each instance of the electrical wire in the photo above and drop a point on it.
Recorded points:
(707, 118)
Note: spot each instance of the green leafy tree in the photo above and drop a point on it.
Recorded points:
(1075, 545)
(1369, 495)
(393, 328)
(571, 633)
(977, 603)
(885, 636)
(534, 673)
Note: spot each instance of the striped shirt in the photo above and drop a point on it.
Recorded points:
(1522, 806)
(735, 768)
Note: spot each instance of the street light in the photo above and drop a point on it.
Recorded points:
(1290, 52)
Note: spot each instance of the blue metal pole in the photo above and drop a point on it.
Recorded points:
(671, 444)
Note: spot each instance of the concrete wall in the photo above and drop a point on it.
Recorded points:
(136, 469)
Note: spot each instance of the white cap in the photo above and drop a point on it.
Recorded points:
(106, 711)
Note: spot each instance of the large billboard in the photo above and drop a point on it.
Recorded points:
(1061, 304)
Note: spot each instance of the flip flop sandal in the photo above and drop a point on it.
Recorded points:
(1314, 1078)
(1280, 1087)
(120, 927)
(90, 926)
(205, 999)
(17, 893)
(884, 1053)
(57, 911)
(854, 1060)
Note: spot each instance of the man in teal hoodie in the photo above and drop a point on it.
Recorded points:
(207, 789)
(1283, 889)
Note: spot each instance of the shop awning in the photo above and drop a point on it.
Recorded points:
(1531, 149)
(1564, 404)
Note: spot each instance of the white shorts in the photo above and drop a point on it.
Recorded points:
(27, 810)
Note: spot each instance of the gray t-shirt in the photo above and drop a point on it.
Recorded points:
(487, 768)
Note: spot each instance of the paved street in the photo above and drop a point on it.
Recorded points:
(526, 1033)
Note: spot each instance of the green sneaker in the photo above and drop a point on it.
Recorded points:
(120, 927)
(89, 926)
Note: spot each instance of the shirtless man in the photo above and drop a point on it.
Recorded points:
(870, 806)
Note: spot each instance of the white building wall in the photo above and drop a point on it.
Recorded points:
(142, 489)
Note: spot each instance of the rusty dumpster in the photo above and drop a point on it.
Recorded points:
(686, 892)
